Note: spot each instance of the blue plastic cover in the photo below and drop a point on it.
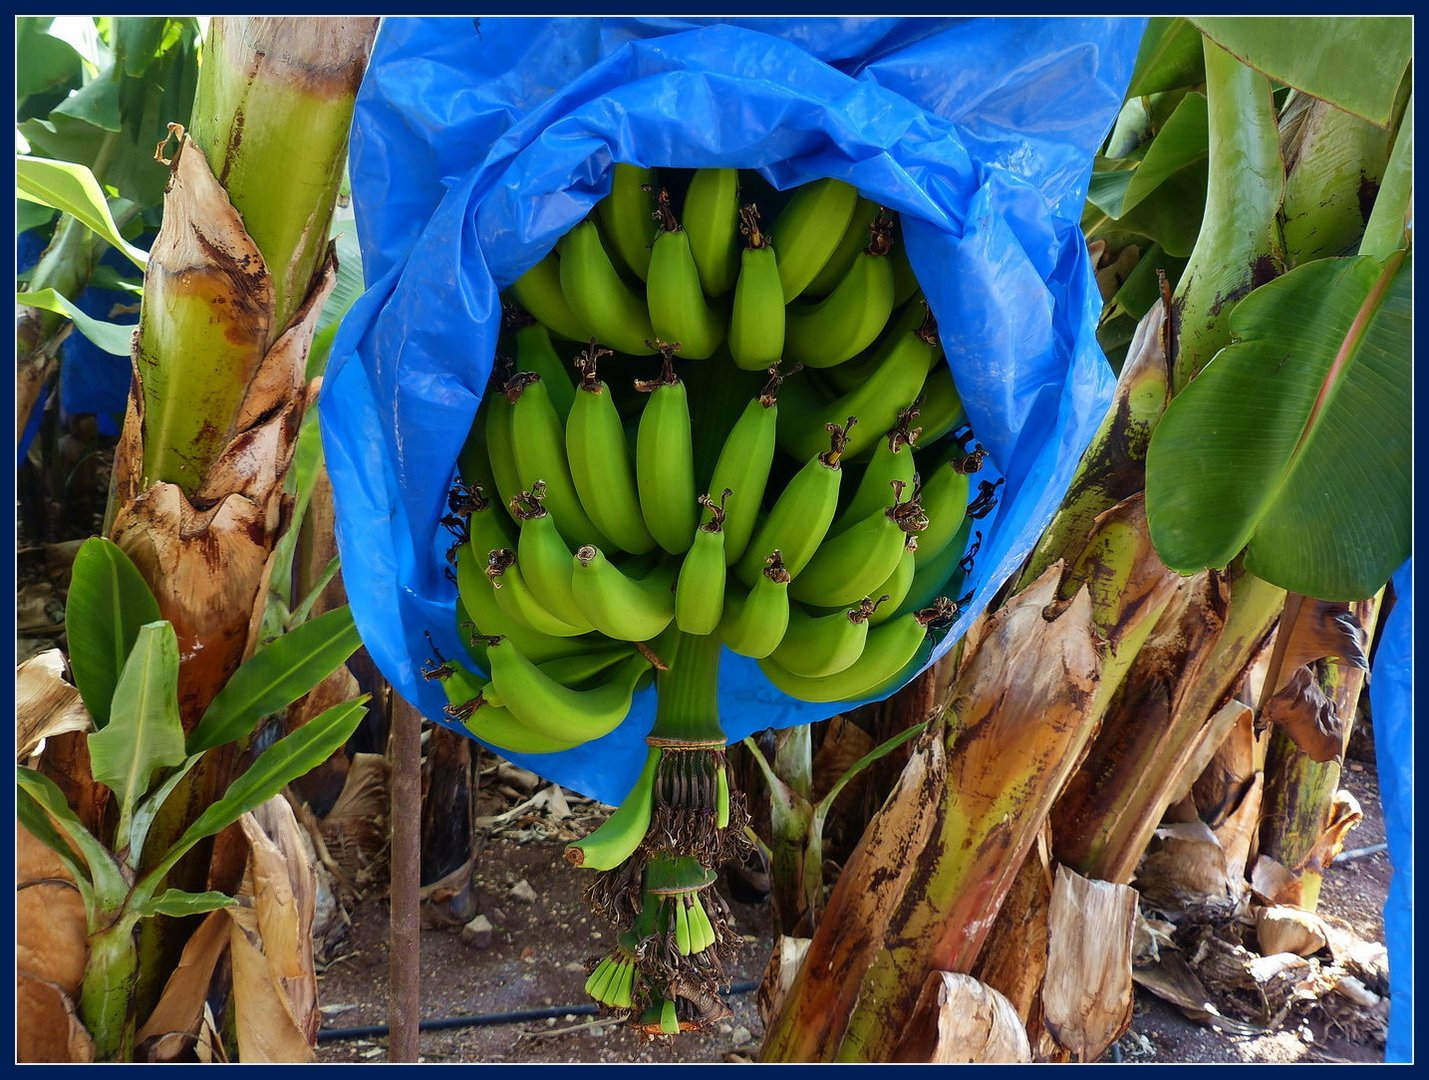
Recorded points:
(478, 143)
(1391, 696)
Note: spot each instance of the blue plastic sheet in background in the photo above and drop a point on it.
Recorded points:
(478, 143)
(1391, 696)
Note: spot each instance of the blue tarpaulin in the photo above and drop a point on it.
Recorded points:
(478, 143)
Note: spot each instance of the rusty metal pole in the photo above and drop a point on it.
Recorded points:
(404, 965)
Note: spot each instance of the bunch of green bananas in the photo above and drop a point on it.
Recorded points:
(734, 465)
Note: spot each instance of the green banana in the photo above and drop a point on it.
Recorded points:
(939, 407)
(680, 917)
(827, 332)
(819, 645)
(854, 240)
(892, 463)
(556, 711)
(488, 526)
(679, 312)
(612, 312)
(620, 607)
(665, 463)
(500, 449)
(711, 215)
(498, 726)
(669, 1018)
(620, 835)
(801, 516)
(539, 292)
(756, 319)
(945, 500)
(897, 584)
(934, 577)
(809, 229)
(854, 373)
(754, 622)
(599, 460)
(474, 462)
(571, 671)
(722, 797)
(628, 214)
(853, 563)
(535, 353)
(699, 588)
(476, 706)
(539, 439)
(889, 650)
(905, 284)
(544, 558)
(804, 413)
(515, 598)
(477, 609)
(743, 468)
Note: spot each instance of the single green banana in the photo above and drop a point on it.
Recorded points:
(905, 285)
(945, 500)
(539, 439)
(556, 711)
(819, 645)
(500, 449)
(620, 835)
(854, 240)
(856, 561)
(854, 373)
(665, 462)
(937, 576)
(488, 526)
(888, 651)
(479, 613)
(800, 517)
(612, 312)
(722, 797)
(569, 671)
(940, 409)
(535, 353)
(599, 458)
(539, 292)
(515, 598)
(809, 229)
(897, 584)
(474, 462)
(544, 558)
(620, 607)
(600, 979)
(711, 215)
(754, 622)
(701, 925)
(679, 312)
(628, 214)
(756, 319)
(804, 412)
(892, 463)
(699, 588)
(743, 468)
(823, 333)
(680, 917)
(669, 1018)
(498, 727)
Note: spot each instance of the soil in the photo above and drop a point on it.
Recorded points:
(536, 960)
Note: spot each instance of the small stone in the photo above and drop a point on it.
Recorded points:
(479, 933)
(725, 1029)
(522, 891)
(742, 1035)
(528, 954)
(1355, 766)
(574, 965)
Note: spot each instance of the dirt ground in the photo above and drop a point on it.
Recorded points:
(536, 959)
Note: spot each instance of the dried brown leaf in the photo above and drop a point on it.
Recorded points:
(45, 704)
(1087, 998)
(1289, 930)
(1275, 883)
(959, 1021)
(52, 931)
(1223, 783)
(1303, 711)
(779, 975)
(843, 744)
(1322, 629)
(47, 1028)
(176, 1021)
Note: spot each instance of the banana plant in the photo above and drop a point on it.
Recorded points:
(125, 662)
(920, 892)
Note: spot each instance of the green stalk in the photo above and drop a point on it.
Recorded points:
(106, 1000)
(1385, 231)
(687, 694)
(1239, 245)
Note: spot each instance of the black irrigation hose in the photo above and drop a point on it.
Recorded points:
(516, 1016)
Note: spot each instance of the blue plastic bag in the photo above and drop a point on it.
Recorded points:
(478, 143)
(1391, 695)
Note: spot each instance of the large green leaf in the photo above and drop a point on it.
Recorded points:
(176, 903)
(283, 762)
(50, 65)
(1354, 62)
(108, 602)
(144, 733)
(73, 189)
(114, 338)
(1294, 442)
(147, 809)
(276, 676)
(1170, 56)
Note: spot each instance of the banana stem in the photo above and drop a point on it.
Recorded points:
(106, 995)
(687, 694)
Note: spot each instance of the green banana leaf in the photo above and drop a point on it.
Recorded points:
(73, 189)
(1170, 56)
(177, 903)
(41, 801)
(1294, 442)
(275, 677)
(1356, 63)
(144, 733)
(108, 602)
(113, 338)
